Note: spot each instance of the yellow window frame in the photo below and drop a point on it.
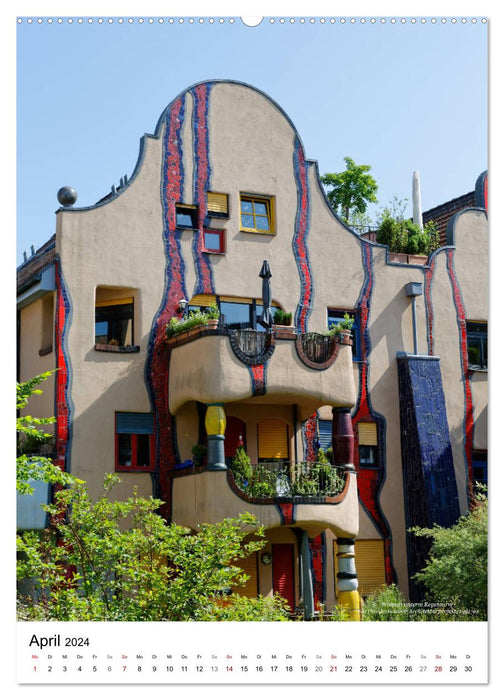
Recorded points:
(269, 202)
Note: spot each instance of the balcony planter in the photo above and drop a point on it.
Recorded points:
(284, 332)
(195, 321)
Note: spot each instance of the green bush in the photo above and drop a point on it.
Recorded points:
(282, 318)
(241, 467)
(456, 573)
(119, 560)
(386, 605)
(195, 318)
(403, 236)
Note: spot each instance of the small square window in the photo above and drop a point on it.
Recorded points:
(256, 214)
(186, 216)
(114, 322)
(214, 240)
(134, 442)
(477, 344)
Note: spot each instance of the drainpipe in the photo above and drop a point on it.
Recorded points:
(414, 289)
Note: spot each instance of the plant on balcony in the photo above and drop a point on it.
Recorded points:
(282, 318)
(195, 318)
(241, 468)
(343, 326)
(262, 483)
(316, 479)
(212, 311)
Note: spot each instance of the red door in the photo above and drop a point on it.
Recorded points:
(283, 572)
(235, 430)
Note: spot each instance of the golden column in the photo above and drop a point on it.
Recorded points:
(215, 425)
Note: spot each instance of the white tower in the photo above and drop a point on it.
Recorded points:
(417, 204)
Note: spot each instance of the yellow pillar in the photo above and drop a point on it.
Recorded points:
(215, 425)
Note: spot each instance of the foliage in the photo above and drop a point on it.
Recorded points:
(195, 318)
(282, 318)
(386, 605)
(262, 483)
(351, 190)
(119, 560)
(403, 235)
(457, 569)
(212, 311)
(344, 325)
(242, 608)
(316, 479)
(34, 467)
(241, 467)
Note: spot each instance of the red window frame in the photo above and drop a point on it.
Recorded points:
(222, 240)
(133, 467)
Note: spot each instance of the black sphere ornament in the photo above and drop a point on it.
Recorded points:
(67, 196)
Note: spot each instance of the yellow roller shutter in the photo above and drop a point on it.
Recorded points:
(369, 563)
(367, 434)
(249, 567)
(217, 203)
(203, 300)
(273, 439)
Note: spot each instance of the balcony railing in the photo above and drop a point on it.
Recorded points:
(277, 480)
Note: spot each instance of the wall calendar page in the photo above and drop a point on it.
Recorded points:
(252, 352)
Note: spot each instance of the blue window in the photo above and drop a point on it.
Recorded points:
(480, 467)
(186, 216)
(477, 344)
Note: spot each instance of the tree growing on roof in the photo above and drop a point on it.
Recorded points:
(350, 191)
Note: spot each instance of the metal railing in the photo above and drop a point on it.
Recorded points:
(279, 480)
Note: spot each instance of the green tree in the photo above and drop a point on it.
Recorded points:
(350, 191)
(457, 568)
(120, 560)
(31, 435)
(105, 559)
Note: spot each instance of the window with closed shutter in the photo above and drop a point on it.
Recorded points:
(249, 567)
(273, 443)
(217, 204)
(367, 434)
(369, 563)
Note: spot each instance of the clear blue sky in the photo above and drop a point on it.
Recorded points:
(399, 97)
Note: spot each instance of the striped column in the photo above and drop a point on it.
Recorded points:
(342, 437)
(215, 425)
(348, 595)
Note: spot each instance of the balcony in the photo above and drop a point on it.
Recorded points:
(281, 367)
(209, 496)
(290, 482)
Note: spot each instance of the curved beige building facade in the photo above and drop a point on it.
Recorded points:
(220, 188)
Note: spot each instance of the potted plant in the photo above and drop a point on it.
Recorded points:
(213, 314)
(282, 318)
(177, 325)
(343, 328)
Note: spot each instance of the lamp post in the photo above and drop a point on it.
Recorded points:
(414, 289)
